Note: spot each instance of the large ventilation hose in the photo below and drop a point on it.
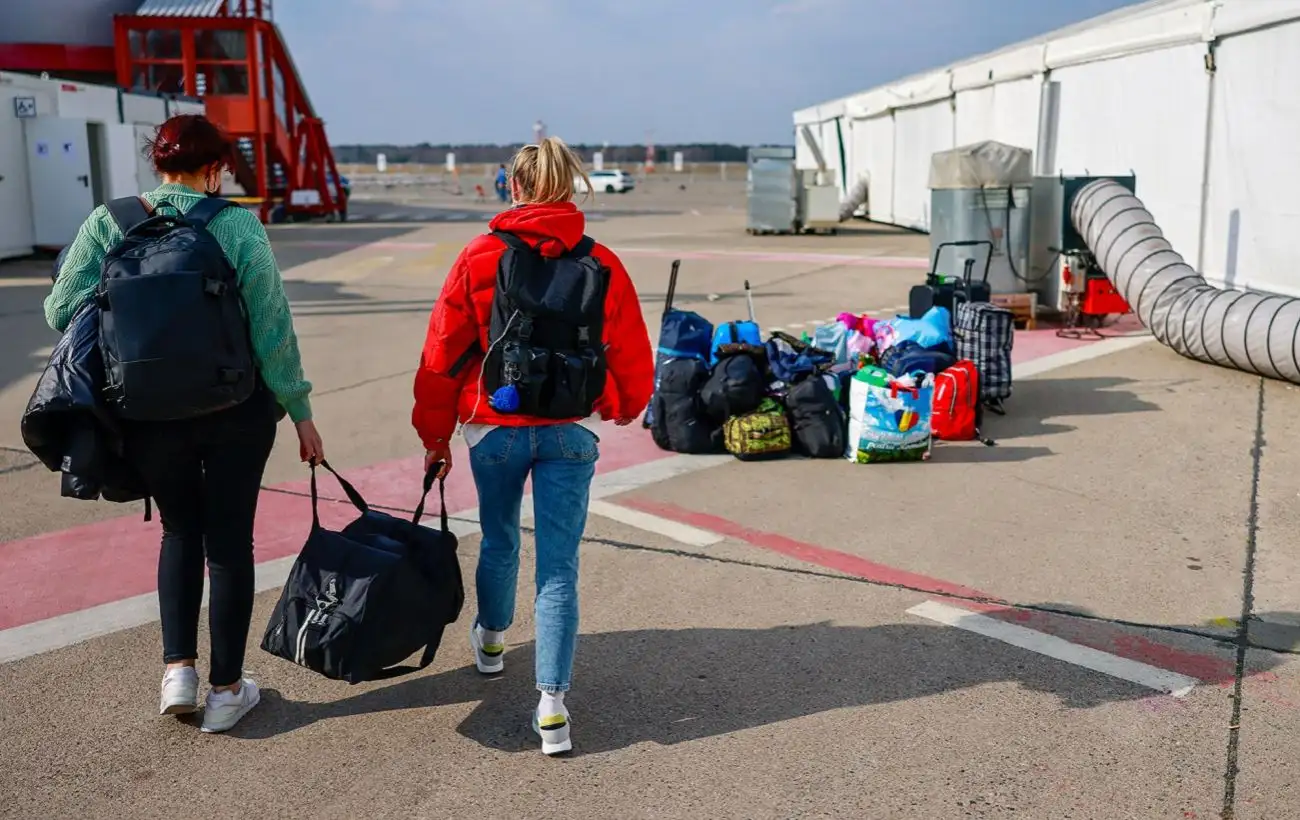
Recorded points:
(1254, 332)
(857, 196)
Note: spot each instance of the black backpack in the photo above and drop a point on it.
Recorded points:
(678, 423)
(173, 333)
(818, 421)
(547, 332)
(735, 387)
(360, 601)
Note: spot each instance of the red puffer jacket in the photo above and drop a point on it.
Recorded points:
(461, 316)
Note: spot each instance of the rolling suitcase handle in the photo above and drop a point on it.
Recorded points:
(672, 286)
(749, 298)
(964, 243)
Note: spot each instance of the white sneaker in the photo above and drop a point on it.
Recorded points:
(553, 729)
(180, 691)
(222, 710)
(489, 658)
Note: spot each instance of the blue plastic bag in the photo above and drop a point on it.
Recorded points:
(834, 339)
(932, 330)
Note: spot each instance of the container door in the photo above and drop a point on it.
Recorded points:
(16, 226)
(58, 165)
(146, 179)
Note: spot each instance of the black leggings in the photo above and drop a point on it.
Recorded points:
(204, 475)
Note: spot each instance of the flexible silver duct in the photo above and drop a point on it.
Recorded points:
(1254, 332)
(857, 196)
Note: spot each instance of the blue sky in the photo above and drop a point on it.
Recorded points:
(409, 71)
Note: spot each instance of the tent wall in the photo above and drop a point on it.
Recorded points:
(1190, 95)
(873, 158)
(1251, 220)
(1146, 113)
(918, 132)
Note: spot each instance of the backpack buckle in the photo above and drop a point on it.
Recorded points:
(584, 336)
(214, 287)
(230, 375)
(525, 329)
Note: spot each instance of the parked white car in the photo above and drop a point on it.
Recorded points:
(611, 182)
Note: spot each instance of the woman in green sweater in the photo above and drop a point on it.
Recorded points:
(204, 473)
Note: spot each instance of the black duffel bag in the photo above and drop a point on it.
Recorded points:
(360, 601)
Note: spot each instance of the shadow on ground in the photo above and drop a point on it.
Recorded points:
(1034, 401)
(670, 686)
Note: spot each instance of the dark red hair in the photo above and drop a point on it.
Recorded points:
(187, 144)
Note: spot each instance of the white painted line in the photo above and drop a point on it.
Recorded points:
(682, 533)
(796, 325)
(1142, 674)
(392, 216)
(1077, 355)
(75, 627)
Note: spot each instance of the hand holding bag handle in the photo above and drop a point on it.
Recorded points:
(430, 477)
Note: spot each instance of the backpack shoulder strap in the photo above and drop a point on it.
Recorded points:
(585, 247)
(512, 241)
(128, 212)
(206, 210)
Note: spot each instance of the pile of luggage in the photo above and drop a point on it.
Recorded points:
(725, 389)
(862, 388)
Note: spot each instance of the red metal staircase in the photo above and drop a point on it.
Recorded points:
(230, 53)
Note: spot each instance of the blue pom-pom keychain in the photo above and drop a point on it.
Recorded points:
(505, 399)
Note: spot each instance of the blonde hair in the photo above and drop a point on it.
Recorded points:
(545, 172)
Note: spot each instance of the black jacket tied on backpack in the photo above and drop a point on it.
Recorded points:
(67, 424)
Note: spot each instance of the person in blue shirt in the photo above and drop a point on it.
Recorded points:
(503, 184)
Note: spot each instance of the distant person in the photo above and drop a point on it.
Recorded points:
(520, 418)
(503, 184)
(202, 469)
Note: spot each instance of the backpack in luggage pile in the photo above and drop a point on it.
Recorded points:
(675, 416)
(817, 420)
(984, 334)
(173, 330)
(678, 421)
(737, 384)
(762, 434)
(547, 358)
(361, 601)
(957, 408)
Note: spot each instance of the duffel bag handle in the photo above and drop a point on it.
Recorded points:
(348, 490)
(430, 477)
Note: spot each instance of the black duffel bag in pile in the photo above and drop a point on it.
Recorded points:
(360, 601)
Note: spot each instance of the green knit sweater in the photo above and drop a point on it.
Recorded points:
(247, 247)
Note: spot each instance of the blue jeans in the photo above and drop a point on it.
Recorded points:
(562, 460)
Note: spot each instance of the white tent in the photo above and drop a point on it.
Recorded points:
(1186, 94)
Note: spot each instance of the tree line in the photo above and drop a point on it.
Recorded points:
(427, 154)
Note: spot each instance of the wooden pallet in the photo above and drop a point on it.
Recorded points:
(1024, 306)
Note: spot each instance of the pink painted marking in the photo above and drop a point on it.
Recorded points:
(78, 568)
(1035, 344)
(1095, 634)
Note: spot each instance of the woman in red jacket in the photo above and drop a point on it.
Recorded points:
(523, 367)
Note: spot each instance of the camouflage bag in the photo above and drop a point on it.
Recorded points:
(762, 434)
